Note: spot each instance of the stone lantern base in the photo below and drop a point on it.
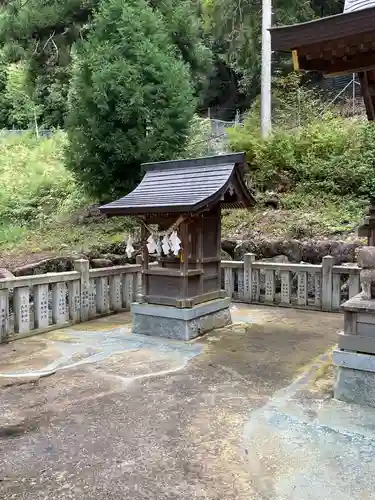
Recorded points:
(355, 356)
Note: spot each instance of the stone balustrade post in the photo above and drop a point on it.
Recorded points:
(83, 266)
(327, 280)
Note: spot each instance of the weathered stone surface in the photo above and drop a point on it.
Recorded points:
(118, 260)
(52, 265)
(271, 200)
(127, 423)
(181, 324)
(280, 259)
(225, 255)
(118, 248)
(87, 214)
(355, 386)
(229, 246)
(366, 257)
(305, 445)
(97, 263)
(310, 251)
(5, 274)
(367, 277)
(359, 304)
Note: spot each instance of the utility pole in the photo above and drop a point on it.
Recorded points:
(265, 118)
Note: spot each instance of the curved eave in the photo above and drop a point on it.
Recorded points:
(243, 199)
(186, 186)
(326, 29)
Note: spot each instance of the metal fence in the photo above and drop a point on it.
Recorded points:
(41, 133)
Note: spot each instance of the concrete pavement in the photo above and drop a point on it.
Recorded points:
(95, 412)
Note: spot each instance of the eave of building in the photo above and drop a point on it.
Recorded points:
(335, 45)
(187, 186)
(321, 31)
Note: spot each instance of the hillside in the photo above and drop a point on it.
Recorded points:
(43, 212)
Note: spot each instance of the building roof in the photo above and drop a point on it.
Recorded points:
(336, 45)
(187, 186)
(326, 29)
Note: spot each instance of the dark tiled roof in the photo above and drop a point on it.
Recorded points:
(185, 186)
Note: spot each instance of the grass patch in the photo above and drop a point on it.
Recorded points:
(11, 235)
(35, 187)
(63, 237)
(301, 216)
(38, 195)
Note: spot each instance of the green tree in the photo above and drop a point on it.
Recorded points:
(22, 110)
(183, 22)
(131, 98)
(4, 103)
(235, 26)
(44, 32)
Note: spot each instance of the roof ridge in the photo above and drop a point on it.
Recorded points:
(196, 162)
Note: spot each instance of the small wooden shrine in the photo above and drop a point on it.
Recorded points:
(178, 204)
(335, 45)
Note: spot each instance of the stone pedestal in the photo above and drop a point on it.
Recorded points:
(181, 324)
(355, 356)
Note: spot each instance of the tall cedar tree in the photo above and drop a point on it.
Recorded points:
(131, 98)
(43, 33)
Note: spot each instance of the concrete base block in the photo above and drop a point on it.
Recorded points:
(355, 386)
(181, 324)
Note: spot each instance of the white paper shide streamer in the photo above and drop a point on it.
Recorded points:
(175, 243)
(152, 246)
(157, 246)
(129, 247)
(165, 245)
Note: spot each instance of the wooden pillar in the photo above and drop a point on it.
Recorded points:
(184, 262)
(218, 243)
(144, 262)
(199, 252)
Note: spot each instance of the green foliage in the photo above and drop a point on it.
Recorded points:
(294, 104)
(186, 32)
(131, 99)
(300, 217)
(235, 26)
(4, 103)
(22, 110)
(330, 155)
(199, 140)
(44, 34)
(34, 183)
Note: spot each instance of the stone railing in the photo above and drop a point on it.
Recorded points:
(321, 287)
(44, 302)
(40, 303)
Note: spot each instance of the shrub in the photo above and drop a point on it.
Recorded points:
(332, 155)
(131, 99)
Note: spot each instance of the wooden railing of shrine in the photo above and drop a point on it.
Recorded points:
(45, 302)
